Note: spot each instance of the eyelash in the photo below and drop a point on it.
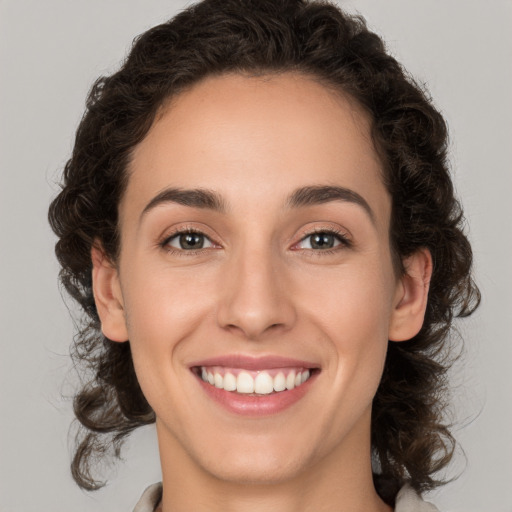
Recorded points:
(345, 242)
(182, 252)
(342, 238)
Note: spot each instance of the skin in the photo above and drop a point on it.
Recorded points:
(258, 287)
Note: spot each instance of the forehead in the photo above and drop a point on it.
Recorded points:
(252, 138)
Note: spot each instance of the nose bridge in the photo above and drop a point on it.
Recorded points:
(254, 296)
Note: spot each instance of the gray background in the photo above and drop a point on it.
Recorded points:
(50, 53)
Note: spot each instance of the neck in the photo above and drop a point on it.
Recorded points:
(340, 481)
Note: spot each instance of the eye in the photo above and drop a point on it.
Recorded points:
(323, 240)
(188, 241)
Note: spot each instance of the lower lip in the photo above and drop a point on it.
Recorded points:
(252, 405)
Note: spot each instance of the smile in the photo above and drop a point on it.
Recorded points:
(262, 382)
(255, 386)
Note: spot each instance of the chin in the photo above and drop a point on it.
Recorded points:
(248, 469)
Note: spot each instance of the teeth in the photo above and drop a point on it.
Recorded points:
(263, 384)
(290, 380)
(218, 380)
(279, 382)
(260, 382)
(229, 382)
(244, 383)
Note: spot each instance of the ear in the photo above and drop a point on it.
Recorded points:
(108, 296)
(411, 297)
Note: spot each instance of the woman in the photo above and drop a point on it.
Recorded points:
(259, 224)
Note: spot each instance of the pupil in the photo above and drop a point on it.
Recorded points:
(191, 241)
(322, 241)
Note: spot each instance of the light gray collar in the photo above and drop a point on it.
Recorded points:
(407, 500)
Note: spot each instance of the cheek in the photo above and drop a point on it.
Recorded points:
(353, 313)
(165, 303)
(164, 309)
(351, 301)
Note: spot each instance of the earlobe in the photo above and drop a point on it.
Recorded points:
(108, 296)
(412, 295)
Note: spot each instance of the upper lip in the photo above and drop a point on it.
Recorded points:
(254, 363)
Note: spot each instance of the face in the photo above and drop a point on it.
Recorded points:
(255, 280)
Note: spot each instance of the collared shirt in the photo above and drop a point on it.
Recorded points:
(407, 500)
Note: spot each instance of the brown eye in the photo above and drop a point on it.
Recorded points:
(322, 241)
(189, 241)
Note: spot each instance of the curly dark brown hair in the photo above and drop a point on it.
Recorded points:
(410, 439)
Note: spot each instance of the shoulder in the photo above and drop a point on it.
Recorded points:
(408, 500)
(150, 499)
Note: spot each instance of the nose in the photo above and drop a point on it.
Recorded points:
(255, 297)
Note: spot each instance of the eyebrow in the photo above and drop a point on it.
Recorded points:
(320, 194)
(304, 196)
(193, 198)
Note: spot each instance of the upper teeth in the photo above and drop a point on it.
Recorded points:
(261, 382)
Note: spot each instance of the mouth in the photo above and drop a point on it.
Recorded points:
(249, 382)
(255, 386)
